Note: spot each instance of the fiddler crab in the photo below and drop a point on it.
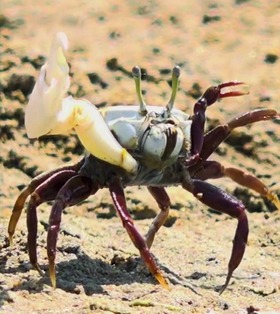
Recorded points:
(132, 146)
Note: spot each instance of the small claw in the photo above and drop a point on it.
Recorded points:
(214, 93)
(231, 83)
(231, 93)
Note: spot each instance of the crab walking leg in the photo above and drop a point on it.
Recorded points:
(213, 170)
(75, 190)
(47, 191)
(216, 136)
(118, 198)
(211, 95)
(225, 203)
(17, 210)
(163, 202)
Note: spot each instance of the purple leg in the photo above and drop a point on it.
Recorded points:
(208, 169)
(211, 95)
(216, 136)
(119, 201)
(29, 190)
(213, 170)
(75, 190)
(47, 191)
(221, 201)
(163, 202)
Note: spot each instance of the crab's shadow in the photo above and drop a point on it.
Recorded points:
(84, 274)
(93, 274)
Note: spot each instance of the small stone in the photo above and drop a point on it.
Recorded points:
(171, 219)
(24, 83)
(79, 289)
(271, 58)
(209, 19)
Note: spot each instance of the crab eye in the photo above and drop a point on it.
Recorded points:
(136, 73)
(175, 83)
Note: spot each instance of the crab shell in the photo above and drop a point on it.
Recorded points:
(137, 132)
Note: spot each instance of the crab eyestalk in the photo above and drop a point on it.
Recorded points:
(136, 72)
(175, 84)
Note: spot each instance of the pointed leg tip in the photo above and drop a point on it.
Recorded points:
(222, 290)
(53, 281)
(274, 199)
(11, 241)
(277, 204)
(227, 282)
(52, 275)
(164, 283)
(224, 286)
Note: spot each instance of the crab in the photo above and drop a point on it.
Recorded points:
(132, 146)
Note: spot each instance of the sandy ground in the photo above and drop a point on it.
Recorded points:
(98, 268)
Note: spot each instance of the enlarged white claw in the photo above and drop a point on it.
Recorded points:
(48, 112)
(49, 90)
